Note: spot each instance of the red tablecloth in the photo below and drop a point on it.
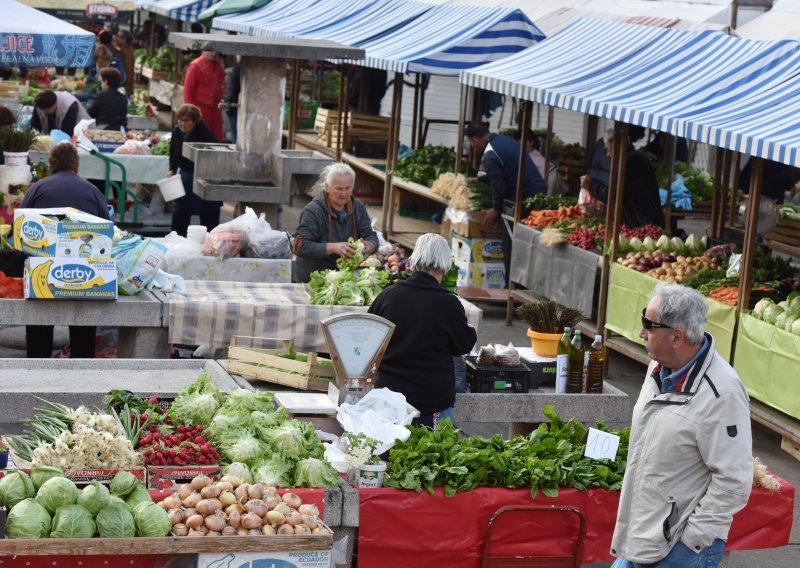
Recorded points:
(448, 532)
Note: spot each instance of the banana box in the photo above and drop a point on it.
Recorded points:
(70, 278)
(476, 250)
(481, 274)
(62, 232)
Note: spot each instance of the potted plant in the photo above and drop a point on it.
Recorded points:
(15, 143)
(364, 466)
(3, 455)
(546, 320)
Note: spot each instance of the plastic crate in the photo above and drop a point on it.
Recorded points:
(306, 114)
(490, 378)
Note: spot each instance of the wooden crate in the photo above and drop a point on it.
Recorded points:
(9, 91)
(151, 73)
(786, 231)
(361, 126)
(265, 365)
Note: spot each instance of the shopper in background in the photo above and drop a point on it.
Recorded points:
(533, 151)
(233, 86)
(326, 223)
(63, 188)
(102, 58)
(57, 110)
(690, 465)
(124, 41)
(106, 39)
(431, 329)
(109, 107)
(190, 129)
(203, 88)
(500, 168)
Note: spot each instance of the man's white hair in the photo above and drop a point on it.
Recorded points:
(682, 308)
(431, 252)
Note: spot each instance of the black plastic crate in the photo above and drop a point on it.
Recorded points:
(491, 378)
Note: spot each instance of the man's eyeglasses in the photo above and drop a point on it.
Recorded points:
(650, 324)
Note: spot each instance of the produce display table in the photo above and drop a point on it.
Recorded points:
(630, 290)
(524, 410)
(138, 168)
(563, 273)
(139, 319)
(212, 312)
(454, 527)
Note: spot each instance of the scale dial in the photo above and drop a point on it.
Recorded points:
(358, 341)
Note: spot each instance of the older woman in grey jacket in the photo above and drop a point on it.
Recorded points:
(327, 223)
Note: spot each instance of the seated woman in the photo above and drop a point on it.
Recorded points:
(328, 221)
(431, 329)
(109, 107)
(190, 129)
(103, 57)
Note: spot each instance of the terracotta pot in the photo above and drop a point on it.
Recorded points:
(544, 344)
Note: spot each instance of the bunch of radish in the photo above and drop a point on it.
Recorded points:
(231, 507)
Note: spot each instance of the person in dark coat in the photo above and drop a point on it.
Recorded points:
(431, 329)
(777, 179)
(190, 129)
(64, 188)
(328, 221)
(109, 107)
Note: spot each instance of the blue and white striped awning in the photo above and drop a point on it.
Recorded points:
(697, 85)
(448, 38)
(183, 10)
(272, 13)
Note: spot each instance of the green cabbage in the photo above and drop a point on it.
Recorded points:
(771, 313)
(275, 470)
(14, 488)
(371, 282)
(240, 470)
(663, 243)
(114, 499)
(335, 288)
(313, 472)
(42, 473)
(115, 521)
(796, 327)
(198, 403)
(28, 519)
(123, 484)
(151, 520)
(137, 496)
(294, 438)
(761, 306)
(649, 244)
(73, 521)
(94, 497)
(780, 321)
(57, 492)
(265, 420)
(249, 400)
(789, 322)
(241, 446)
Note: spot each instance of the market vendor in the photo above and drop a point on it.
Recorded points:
(57, 110)
(63, 188)
(103, 57)
(191, 128)
(431, 329)
(109, 107)
(641, 203)
(500, 168)
(328, 221)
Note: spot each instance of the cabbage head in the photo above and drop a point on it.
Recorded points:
(197, 403)
(123, 484)
(780, 321)
(250, 400)
(240, 470)
(28, 519)
(275, 470)
(94, 497)
(313, 472)
(293, 438)
(761, 306)
(138, 495)
(796, 327)
(42, 473)
(771, 313)
(115, 521)
(787, 324)
(57, 492)
(73, 521)
(151, 520)
(15, 487)
(242, 446)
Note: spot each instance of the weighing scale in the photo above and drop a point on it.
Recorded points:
(357, 343)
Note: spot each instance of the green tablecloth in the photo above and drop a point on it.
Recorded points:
(629, 291)
(768, 362)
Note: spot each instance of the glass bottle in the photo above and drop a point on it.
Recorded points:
(41, 169)
(575, 365)
(595, 373)
(562, 361)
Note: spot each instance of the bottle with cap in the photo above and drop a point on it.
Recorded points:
(575, 365)
(562, 361)
(595, 370)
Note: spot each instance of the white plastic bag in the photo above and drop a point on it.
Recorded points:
(179, 251)
(382, 414)
(134, 147)
(138, 261)
(79, 136)
(167, 282)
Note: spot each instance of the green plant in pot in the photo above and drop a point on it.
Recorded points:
(15, 143)
(546, 320)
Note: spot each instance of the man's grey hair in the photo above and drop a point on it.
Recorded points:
(682, 308)
(334, 170)
(431, 252)
(608, 136)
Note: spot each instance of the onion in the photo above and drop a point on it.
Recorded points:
(251, 521)
(208, 506)
(236, 507)
(241, 531)
(284, 509)
(180, 530)
(308, 509)
(194, 521)
(229, 531)
(202, 529)
(292, 499)
(189, 511)
(286, 529)
(184, 490)
(275, 518)
(175, 516)
(271, 490)
(317, 530)
(214, 533)
(255, 491)
(302, 529)
(268, 530)
(256, 506)
(215, 523)
(234, 480)
(311, 522)
(235, 519)
(193, 532)
(192, 500)
(200, 481)
(227, 498)
(294, 518)
(272, 501)
(254, 532)
(210, 491)
(241, 493)
(225, 485)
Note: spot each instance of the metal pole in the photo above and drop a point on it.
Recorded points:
(725, 190)
(673, 148)
(345, 73)
(293, 104)
(735, 189)
(462, 109)
(414, 124)
(340, 117)
(421, 120)
(715, 200)
(549, 150)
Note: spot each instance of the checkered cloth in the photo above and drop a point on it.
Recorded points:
(212, 312)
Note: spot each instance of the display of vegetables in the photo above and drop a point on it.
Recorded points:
(542, 201)
(424, 165)
(789, 211)
(349, 285)
(699, 183)
(784, 315)
(666, 266)
(551, 457)
(197, 403)
(547, 217)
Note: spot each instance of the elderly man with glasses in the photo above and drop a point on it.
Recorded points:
(690, 455)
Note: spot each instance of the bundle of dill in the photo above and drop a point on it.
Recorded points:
(547, 316)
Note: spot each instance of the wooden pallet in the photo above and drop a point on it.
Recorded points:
(785, 426)
(154, 74)
(361, 126)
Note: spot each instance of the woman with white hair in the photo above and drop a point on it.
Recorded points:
(328, 221)
(431, 329)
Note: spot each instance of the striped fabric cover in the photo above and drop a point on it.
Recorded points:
(183, 10)
(269, 15)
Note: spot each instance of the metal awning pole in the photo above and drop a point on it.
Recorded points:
(548, 153)
(719, 158)
(462, 109)
(294, 95)
(414, 111)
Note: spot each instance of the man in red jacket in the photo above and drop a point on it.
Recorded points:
(203, 88)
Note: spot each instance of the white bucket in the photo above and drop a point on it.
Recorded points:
(197, 233)
(171, 187)
(370, 476)
(16, 158)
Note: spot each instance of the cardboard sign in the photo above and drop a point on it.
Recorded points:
(601, 445)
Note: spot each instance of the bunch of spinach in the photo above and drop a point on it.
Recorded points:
(551, 457)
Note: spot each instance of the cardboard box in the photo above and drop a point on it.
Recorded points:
(480, 275)
(473, 228)
(476, 250)
(62, 231)
(282, 559)
(166, 477)
(70, 278)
